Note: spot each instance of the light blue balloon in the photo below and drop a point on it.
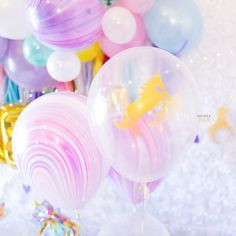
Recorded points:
(174, 25)
(35, 52)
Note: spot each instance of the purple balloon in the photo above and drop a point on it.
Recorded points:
(3, 46)
(132, 190)
(23, 73)
(70, 25)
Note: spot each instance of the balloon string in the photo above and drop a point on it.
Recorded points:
(146, 193)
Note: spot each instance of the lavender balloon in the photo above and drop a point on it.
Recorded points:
(23, 73)
(3, 46)
(134, 191)
(61, 24)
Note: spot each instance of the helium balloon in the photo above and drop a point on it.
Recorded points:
(23, 73)
(135, 192)
(119, 25)
(134, 224)
(63, 66)
(8, 116)
(143, 112)
(174, 25)
(13, 23)
(63, 25)
(138, 6)
(55, 152)
(68, 86)
(140, 38)
(35, 52)
(90, 53)
(3, 46)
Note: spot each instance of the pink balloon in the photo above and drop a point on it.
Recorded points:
(138, 6)
(132, 190)
(140, 39)
(68, 86)
(55, 152)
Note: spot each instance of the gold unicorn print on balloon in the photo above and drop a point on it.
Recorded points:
(221, 124)
(153, 94)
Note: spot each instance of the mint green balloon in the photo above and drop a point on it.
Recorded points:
(35, 52)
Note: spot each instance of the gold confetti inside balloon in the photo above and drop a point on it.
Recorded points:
(8, 117)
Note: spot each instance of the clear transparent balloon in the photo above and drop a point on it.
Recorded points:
(143, 112)
(134, 224)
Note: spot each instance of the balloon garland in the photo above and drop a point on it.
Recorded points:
(138, 104)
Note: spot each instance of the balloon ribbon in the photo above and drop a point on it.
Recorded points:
(52, 220)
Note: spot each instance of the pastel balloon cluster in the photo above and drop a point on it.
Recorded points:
(55, 152)
(74, 24)
(59, 36)
(175, 26)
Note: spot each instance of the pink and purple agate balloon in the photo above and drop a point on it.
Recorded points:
(134, 191)
(22, 72)
(55, 152)
(73, 24)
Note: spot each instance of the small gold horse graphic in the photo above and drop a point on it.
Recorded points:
(154, 93)
(221, 123)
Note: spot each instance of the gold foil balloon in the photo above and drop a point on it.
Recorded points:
(8, 117)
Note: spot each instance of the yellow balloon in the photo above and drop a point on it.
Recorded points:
(90, 53)
(99, 60)
(8, 117)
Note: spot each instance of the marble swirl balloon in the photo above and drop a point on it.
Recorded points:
(73, 24)
(55, 152)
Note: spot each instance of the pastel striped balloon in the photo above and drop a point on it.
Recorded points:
(134, 191)
(73, 24)
(54, 150)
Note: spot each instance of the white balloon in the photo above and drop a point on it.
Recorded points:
(63, 66)
(119, 25)
(13, 19)
(134, 224)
